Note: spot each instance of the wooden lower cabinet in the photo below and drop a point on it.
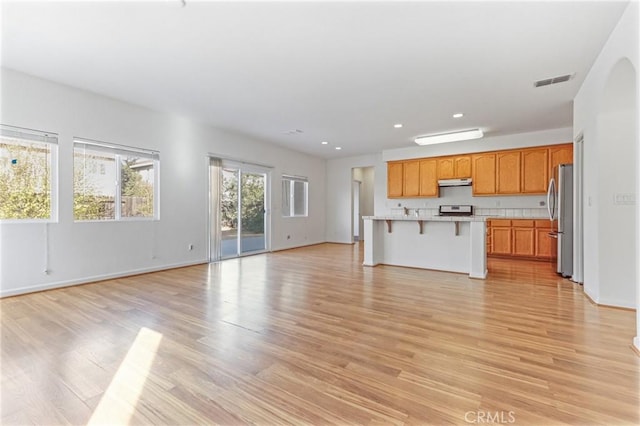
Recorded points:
(501, 243)
(521, 238)
(546, 246)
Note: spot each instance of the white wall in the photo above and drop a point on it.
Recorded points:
(339, 177)
(79, 252)
(338, 206)
(610, 144)
(364, 175)
(488, 143)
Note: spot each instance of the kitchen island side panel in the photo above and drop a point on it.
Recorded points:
(445, 244)
(436, 248)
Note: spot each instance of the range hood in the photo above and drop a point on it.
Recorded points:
(455, 182)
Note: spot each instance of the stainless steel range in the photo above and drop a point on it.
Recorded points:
(455, 210)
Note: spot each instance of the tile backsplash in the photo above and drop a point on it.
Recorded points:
(533, 213)
(497, 212)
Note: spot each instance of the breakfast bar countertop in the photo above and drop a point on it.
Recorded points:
(430, 218)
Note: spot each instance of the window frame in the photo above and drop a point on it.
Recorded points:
(51, 139)
(119, 152)
(291, 195)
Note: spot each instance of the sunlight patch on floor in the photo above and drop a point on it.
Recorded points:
(119, 401)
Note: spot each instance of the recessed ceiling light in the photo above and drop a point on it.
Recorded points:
(338, 148)
(458, 115)
(397, 126)
(464, 135)
(324, 143)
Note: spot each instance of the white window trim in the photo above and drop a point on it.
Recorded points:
(118, 151)
(43, 137)
(294, 178)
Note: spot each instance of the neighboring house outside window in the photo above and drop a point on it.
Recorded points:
(114, 182)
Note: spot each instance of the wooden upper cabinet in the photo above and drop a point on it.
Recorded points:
(462, 166)
(456, 167)
(429, 178)
(560, 154)
(508, 172)
(445, 168)
(411, 175)
(535, 170)
(483, 174)
(394, 179)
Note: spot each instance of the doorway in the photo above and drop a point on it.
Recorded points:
(362, 199)
(239, 215)
(356, 210)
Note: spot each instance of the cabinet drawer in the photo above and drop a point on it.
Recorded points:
(522, 223)
(544, 224)
(500, 222)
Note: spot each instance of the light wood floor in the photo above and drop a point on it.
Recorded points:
(309, 336)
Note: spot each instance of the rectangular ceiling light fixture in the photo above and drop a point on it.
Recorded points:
(464, 135)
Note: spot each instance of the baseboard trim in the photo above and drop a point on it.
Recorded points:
(608, 305)
(300, 246)
(95, 279)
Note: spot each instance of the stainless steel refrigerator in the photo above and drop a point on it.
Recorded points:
(560, 206)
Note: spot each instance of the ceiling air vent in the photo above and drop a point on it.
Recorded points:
(554, 80)
(293, 132)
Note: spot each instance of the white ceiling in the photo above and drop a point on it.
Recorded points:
(344, 72)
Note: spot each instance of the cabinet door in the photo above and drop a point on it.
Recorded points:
(484, 174)
(446, 168)
(560, 154)
(535, 171)
(508, 172)
(544, 243)
(523, 241)
(501, 240)
(462, 167)
(429, 178)
(411, 175)
(394, 180)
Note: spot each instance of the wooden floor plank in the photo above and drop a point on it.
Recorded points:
(310, 336)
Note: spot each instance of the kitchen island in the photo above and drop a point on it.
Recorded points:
(454, 244)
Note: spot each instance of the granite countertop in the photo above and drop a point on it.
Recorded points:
(491, 217)
(430, 218)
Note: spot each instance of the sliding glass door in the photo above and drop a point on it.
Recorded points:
(243, 213)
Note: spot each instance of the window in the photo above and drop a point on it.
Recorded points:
(294, 196)
(27, 178)
(114, 183)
